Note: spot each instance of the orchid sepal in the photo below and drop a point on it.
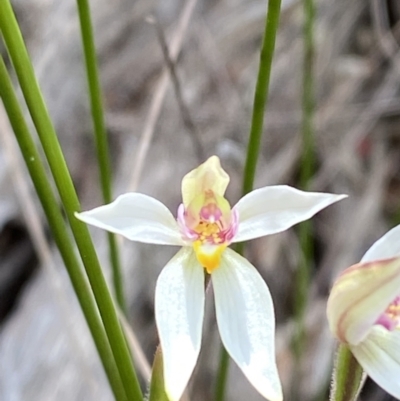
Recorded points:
(359, 296)
(137, 217)
(273, 209)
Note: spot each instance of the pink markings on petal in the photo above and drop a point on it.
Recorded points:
(187, 233)
(390, 319)
(233, 229)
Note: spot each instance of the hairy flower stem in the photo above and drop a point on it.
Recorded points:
(253, 147)
(48, 138)
(348, 376)
(59, 231)
(100, 134)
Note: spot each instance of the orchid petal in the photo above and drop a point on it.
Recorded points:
(179, 310)
(273, 209)
(246, 322)
(379, 356)
(386, 247)
(137, 217)
(208, 176)
(360, 295)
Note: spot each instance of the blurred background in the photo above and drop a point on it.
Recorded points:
(46, 352)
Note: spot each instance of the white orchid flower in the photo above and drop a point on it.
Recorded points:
(205, 227)
(364, 311)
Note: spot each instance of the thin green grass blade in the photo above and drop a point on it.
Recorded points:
(100, 134)
(41, 119)
(307, 166)
(60, 234)
(222, 375)
(261, 93)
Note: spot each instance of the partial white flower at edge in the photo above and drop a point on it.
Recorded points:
(364, 311)
(205, 226)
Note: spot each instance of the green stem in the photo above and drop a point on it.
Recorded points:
(348, 376)
(117, 275)
(302, 279)
(253, 147)
(308, 102)
(103, 154)
(60, 234)
(261, 93)
(302, 282)
(41, 119)
(222, 376)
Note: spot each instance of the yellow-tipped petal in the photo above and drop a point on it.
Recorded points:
(360, 295)
(208, 176)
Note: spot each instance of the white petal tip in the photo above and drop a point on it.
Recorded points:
(274, 396)
(278, 397)
(271, 391)
(271, 394)
(173, 395)
(177, 372)
(87, 218)
(340, 197)
(332, 198)
(78, 215)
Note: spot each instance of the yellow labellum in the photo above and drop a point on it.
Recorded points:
(208, 255)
